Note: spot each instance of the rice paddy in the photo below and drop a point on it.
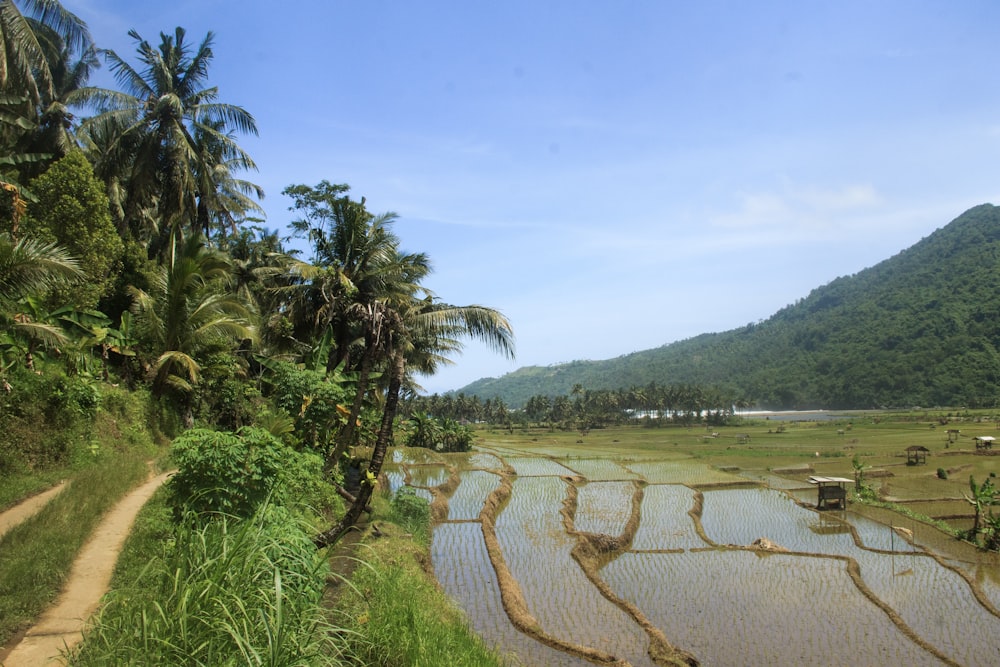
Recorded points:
(467, 501)
(650, 561)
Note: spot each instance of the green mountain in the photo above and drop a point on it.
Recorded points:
(921, 328)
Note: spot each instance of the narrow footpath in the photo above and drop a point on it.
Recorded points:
(61, 627)
(27, 509)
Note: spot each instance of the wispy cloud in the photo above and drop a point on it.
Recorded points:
(798, 209)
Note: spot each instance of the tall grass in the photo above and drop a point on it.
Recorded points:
(36, 556)
(398, 617)
(226, 592)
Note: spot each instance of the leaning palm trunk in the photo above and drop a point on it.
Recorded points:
(346, 436)
(331, 536)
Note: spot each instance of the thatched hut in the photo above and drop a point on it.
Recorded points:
(916, 454)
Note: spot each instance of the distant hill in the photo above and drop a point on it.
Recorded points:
(921, 328)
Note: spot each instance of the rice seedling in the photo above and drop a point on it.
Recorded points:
(597, 470)
(681, 472)
(396, 617)
(936, 603)
(740, 516)
(665, 521)
(557, 593)
(467, 501)
(484, 460)
(527, 466)
(604, 507)
(464, 571)
(741, 608)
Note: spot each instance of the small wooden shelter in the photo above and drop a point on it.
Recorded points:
(916, 454)
(832, 491)
(742, 438)
(984, 441)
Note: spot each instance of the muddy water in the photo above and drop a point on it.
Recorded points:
(744, 608)
(604, 507)
(600, 470)
(528, 466)
(681, 472)
(665, 523)
(727, 606)
(461, 565)
(936, 603)
(427, 476)
(467, 501)
(565, 603)
(740, 516)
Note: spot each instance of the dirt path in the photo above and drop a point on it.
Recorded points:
(61, 626)
(27, 509)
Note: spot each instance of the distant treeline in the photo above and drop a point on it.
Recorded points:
(586, 408)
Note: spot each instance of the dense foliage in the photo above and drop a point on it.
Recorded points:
(921, 328)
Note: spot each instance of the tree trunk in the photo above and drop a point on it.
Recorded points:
(382, 443)
(345, 438)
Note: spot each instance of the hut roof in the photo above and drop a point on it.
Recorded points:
(917, 448)
(985, 438)
(815, 479)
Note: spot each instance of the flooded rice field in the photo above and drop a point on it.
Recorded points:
(581, 561)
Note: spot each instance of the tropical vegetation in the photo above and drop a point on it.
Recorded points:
(133, 263)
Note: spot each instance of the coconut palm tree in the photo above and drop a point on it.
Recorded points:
(70, 69)
(188, 313)
(165, 136)
(405, 328)
(23, 66)
(28, 267)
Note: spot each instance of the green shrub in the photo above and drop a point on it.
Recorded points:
(232, 473)
(44, 418)
(942, 473)
(311, 399)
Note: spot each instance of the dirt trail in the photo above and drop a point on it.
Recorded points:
(28, 508)
(61, 627)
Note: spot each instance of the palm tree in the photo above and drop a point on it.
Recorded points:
(188, 313)
(223, 200)
(29, 267)
(166, 137)
(70, 68)
(408, 327)
(23, 66)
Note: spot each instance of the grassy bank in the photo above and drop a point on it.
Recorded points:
(395, 613)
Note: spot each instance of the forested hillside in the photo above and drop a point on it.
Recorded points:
(921, 328)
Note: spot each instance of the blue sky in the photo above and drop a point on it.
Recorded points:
(613, 176)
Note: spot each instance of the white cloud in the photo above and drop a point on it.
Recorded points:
(799, 210)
